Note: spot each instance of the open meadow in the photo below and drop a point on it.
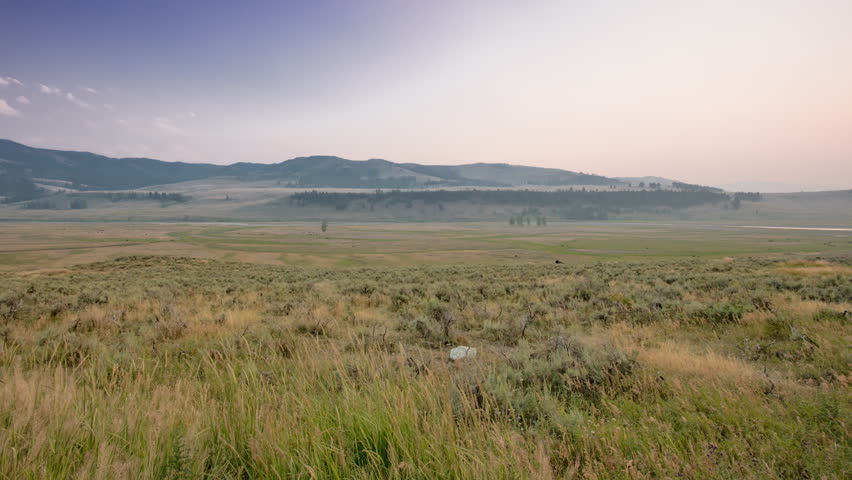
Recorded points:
(33, 246)
(280, 351)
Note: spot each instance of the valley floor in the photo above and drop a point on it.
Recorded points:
(34, 246)
(197, 351)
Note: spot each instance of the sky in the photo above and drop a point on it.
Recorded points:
(749, 94)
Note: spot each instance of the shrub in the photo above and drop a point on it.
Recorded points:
(443, 316)
(826, 315)
(724, 313)
(779, 328)
(534, 383)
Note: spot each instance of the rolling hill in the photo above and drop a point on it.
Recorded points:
(25, 173)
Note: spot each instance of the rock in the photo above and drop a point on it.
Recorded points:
(462, 352)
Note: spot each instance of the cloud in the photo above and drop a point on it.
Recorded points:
(76, 101)
(167, 126)
(4, 81)
(90, 90)
(7, 110)
(49, 90)
(23, 100)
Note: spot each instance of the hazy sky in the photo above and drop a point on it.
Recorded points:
(715, 92)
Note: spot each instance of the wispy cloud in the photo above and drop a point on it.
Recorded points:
(167, 126)
(23, 100)
(7, 110)
(5, 81)
(76, 101)
(90, 90)
(48, 90)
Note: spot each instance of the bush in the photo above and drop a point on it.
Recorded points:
(826, 315)
(534, 384)
(724, 313)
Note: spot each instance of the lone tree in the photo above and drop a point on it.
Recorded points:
(324, 225)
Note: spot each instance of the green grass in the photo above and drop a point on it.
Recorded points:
(612, 367)
(582, 240)
(393, 244)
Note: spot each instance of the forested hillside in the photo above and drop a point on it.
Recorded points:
(27, 173)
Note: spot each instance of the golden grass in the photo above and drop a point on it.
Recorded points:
(811, 268)
(679, 360)
(328, 376)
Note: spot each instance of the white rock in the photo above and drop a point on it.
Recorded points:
(461, 352)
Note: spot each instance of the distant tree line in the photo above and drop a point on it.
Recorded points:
(540, 220)
(740, 197)
(691, 187)
(345, 180)
(136, 196)
(79, 201)
(372, 179)
(579, 178)
(48, 204)
(572, 204)
(748, 196)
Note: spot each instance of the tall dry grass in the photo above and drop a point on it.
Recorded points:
(157, 368)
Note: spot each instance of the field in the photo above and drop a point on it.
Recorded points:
(50, 246)
(281, 351)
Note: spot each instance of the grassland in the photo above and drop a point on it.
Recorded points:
(279, 351)
(49, 245)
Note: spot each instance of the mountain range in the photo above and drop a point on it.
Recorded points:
(26, 171)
